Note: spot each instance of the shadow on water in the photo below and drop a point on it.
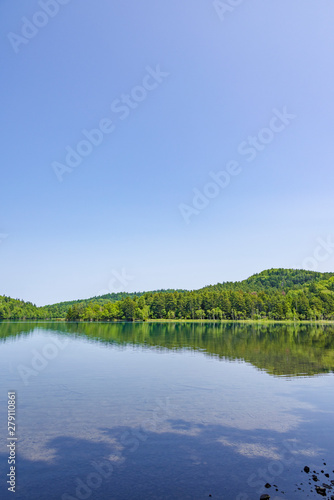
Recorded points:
(187, 462)
(279, 349)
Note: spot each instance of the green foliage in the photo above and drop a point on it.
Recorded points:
(15, 309)
(276, 294)
(273, 279)
(60, 310)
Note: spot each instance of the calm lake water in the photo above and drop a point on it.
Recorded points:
(167, 411)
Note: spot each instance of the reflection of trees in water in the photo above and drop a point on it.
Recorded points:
(280, 349)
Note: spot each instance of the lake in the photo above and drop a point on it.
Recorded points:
(167, 410)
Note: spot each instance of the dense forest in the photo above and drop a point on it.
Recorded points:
(17, 309)
(273, 279)
(60, 309)
(275, 294)
(311, 301)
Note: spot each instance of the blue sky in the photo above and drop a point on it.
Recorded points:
(198, 83)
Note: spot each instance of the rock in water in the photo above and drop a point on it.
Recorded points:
(320, 490)
(306, 469)
(264, 497)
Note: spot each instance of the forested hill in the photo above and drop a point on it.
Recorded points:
(296, 297)
(18, 309)
(273, 279)
(275, 294)
(60, 309)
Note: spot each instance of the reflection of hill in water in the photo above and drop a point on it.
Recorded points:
(279, 349)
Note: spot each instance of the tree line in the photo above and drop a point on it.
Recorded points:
(312, 302)
(275, 294)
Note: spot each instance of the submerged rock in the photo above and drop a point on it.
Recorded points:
(306, 469)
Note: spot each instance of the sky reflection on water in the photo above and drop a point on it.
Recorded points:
(179, 411)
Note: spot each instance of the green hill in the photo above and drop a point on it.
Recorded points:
(18, 309)
(274, 294)
(59, 310)
(277, 294)
(273, 279)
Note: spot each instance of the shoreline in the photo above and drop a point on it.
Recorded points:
(197, 321)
